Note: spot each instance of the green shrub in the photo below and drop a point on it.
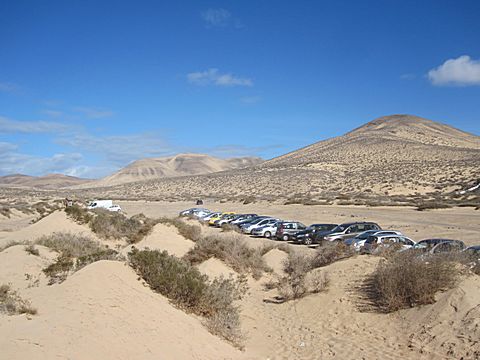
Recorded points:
(188, 289)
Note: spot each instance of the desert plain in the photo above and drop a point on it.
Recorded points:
(106, 311)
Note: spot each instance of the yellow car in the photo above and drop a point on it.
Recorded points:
(215, 218)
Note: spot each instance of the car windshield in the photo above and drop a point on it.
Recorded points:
(339, 228)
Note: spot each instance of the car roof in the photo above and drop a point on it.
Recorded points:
(358, 223)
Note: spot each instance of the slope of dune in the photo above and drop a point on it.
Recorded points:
(55, 222)
(178, 165)
(104, 312)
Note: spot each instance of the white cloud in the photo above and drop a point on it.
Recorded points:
(9, 87)
(216, 17)
(94, 113)
(462, 71)
(27, 127)
(214, 77)
(250, 99)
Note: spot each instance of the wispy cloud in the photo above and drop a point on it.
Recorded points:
(29, 127)
(216, 17)
(8, 87)
(214, 77)
(53, 113)
(93, 113)
(462, 71)
(408, 76)
(250, 99)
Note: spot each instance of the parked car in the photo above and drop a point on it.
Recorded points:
(247, 228)
(191, 211)
(212, 220)
(267, 231)
(242, 217)
(346, 231)
(432, 245)
(306, 236)
(376, 242)
(207, 217)
(251, 220)
(114, 208)
(473, 250)
(287, 229)
(224, 220)
(358, 241)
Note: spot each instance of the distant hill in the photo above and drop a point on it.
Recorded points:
(50, 181)
(398, 155)
(175, 166)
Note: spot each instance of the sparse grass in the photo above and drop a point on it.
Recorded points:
(328, 253)
(188, 231)
(407, 280)
(432, 205)
(191, 291)
(11, 303)
(113, 225)
(12, 243)
(32, 250)
(79, 214)
(300, 280)
(75, 252)
(231, 249)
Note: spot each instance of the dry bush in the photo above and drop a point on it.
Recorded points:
(32, 250)
(299, 280)
(75, 252)
(432, 205)
(328, 252)
(190, 290)
(5, 211)
(188, 231)
(11, 303)
(231, 249)
(69, 244)
(113, 225)
(230, 228)
(407, 280)
(79, 214)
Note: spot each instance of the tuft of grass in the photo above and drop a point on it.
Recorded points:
(32, 250)
(231, 249)
(59, 270)
(69, 244)
(11, 303)
(79, 214)
(191, 291)
(406, 280)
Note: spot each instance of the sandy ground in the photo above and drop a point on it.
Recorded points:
(104, 312)
(458, 223)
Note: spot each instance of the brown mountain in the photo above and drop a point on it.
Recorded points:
(175, 166)
(50, 181)
(398, 155)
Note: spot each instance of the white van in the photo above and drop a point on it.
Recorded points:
(97, 204)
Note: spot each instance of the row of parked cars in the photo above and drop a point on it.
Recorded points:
(364, 236)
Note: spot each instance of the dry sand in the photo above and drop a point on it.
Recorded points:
(104, 312)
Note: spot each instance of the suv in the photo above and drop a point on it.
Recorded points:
(346, 231)
(439, 245)
(286, 230)
(376, 242)
(305, 236)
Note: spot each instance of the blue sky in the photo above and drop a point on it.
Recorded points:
(88, 86)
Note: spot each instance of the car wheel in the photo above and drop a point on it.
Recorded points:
(285, 237)
(307, 241)
(267, 234)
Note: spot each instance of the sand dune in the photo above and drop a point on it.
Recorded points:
(55, 222)
(164, 238)
(104, 312)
